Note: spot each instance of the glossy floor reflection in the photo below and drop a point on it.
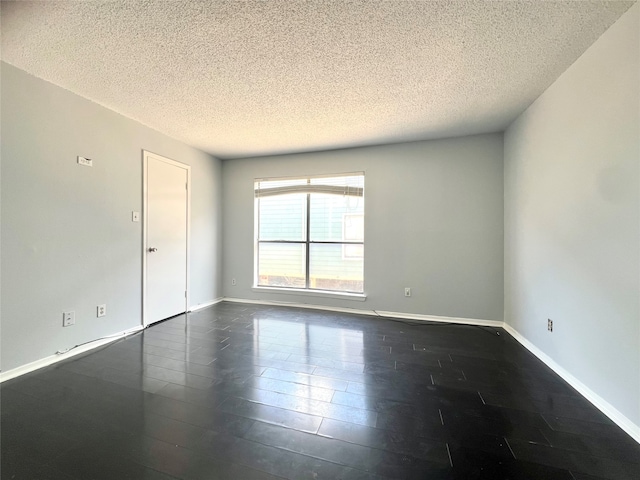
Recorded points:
(241, 391)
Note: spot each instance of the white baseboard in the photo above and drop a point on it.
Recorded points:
(300, 305)
(45, 362)
(358, 297)
(434, 318)
(200, 306)
(601, 404)
(375, 313)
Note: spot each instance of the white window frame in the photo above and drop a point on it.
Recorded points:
(309, 189)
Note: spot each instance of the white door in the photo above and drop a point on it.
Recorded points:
(166, 237)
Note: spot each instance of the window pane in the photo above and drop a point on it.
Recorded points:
(335, 218)
(331, 269)
(283, 217)
(281, 264)
(353, 227)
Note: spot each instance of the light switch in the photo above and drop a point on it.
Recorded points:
(135, 216)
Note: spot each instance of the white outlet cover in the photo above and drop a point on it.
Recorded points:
(68, 319)
(101, 310)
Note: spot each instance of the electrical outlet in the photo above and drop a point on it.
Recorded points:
(102, 310)
(68, 319)
(550, 325)
(233, 281)
(87, 162)
(407, 292)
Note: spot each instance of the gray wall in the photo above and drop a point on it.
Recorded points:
(572, 219)
(68, 242)
(433, 222)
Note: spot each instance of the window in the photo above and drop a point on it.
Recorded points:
(310, 233)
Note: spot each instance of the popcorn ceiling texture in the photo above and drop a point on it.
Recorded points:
(254, 78)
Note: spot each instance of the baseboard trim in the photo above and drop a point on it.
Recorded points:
(300, 305)
(375, 313)
(50, 360)
(601, 404)
(200, 306)
(434, 318)
(357, 297)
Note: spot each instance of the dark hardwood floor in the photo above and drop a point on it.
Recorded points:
(244, 392)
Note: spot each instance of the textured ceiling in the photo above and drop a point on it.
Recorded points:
(254, 78)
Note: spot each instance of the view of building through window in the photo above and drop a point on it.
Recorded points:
(310, 233)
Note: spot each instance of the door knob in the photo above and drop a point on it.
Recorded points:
(153, 249)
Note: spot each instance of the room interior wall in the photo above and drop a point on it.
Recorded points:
(572, 220)
(68, 240)
(433, 222)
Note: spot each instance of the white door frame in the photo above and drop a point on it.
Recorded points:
(145, 160)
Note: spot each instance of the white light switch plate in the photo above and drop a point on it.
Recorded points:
(87, 162)
(135, 216)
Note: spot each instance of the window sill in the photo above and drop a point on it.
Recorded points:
(358, 297)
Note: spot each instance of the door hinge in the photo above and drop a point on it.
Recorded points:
(185, 294)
